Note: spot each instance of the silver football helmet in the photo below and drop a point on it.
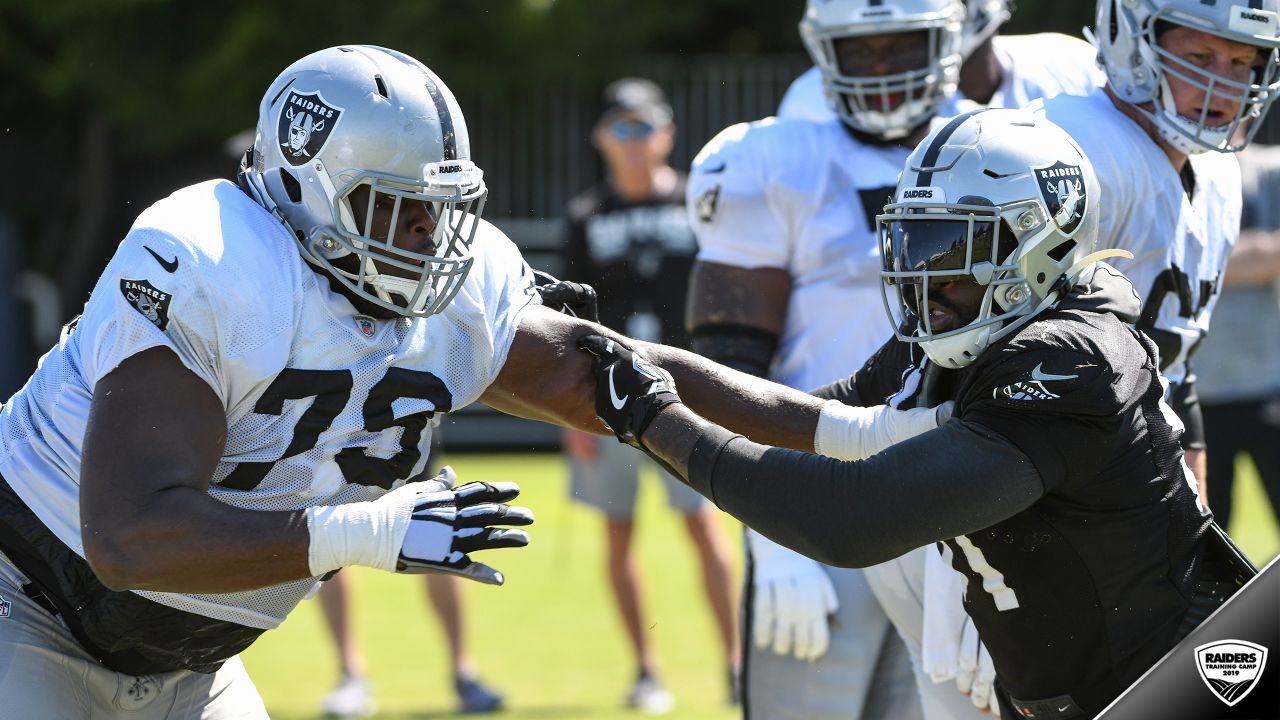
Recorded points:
(1000, 196)
(981, 21)
(359, 116)
(1138, 68)
(886, 106)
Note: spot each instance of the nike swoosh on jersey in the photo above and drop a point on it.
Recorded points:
(618, 402)
(1039, 375)
(169, 265)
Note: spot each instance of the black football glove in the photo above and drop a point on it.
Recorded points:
(630, 390)
(570, 298)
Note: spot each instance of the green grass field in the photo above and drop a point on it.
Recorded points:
(550, 638)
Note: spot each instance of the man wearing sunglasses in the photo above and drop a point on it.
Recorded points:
(629, 234)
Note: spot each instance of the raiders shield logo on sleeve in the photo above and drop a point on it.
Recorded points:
(146, 299)
(306, 122)
(1063, 190)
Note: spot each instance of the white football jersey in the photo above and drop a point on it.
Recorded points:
(324, 406)
(802, 197)
(1180, 244)
(1035, 66)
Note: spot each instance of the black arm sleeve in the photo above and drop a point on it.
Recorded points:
(741, 347)
(953, 480)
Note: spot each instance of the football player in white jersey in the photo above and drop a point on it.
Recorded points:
(247, 401)
(998, 70)
(770, 215)
(786, 286)
(1188, 84)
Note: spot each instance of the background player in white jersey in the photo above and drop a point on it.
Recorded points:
(999, 70)
(253, 385)
(786, 285)
(1188, 84)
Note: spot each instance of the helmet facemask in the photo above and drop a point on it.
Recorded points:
(937, 244)
(889, 107)
(1192, 135)
(416, 282)
(1139, 67)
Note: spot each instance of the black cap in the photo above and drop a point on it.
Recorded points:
(639, 96)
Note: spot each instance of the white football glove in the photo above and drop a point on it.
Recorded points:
(975, 674)
(793, 600)
(420, 527)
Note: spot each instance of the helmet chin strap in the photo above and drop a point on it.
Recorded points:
(1173, 127)
(941, 352)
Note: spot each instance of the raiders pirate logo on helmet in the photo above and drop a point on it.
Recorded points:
(1063, 190)
(305, 125)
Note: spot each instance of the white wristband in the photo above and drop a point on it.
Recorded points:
(363, 533)
(856, 433)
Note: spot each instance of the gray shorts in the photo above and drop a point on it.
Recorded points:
(609, 482)
(46, 675)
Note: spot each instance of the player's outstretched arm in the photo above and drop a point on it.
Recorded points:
(546, 377)
(156, 432)
(951, 480)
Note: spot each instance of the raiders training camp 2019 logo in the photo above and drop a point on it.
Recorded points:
(1231, 668)
(1063, 190)
(146, 299)
(306, 122)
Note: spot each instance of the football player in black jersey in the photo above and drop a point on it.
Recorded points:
(1057, 485)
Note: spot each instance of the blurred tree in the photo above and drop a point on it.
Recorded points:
(110, 103)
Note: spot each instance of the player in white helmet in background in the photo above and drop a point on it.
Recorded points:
(998, 71)
(1188, 85)
(787, 286)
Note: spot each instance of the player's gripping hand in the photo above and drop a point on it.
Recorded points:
(448, 524)
(630, 390)
(421, 527)
(793, 600)
(570, 298)
(975, 673)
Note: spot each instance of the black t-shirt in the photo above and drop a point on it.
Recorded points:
(637, 256)
(1057, 485)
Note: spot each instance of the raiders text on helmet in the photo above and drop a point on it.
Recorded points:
(886, 106)
(1000, 196)
(363, 116)
(1138, 68)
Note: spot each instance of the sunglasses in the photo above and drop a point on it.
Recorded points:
(630, 129)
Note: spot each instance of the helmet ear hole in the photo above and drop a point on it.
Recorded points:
(1061, 251)
(291, 185)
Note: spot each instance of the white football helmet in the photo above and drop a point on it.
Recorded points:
(359, 115)
(1002, 196)
(913, 97)
(981, 21)
(1138, 67)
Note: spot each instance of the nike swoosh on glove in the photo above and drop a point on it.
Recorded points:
(630, 390)
(570, 298)
(447, 524)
